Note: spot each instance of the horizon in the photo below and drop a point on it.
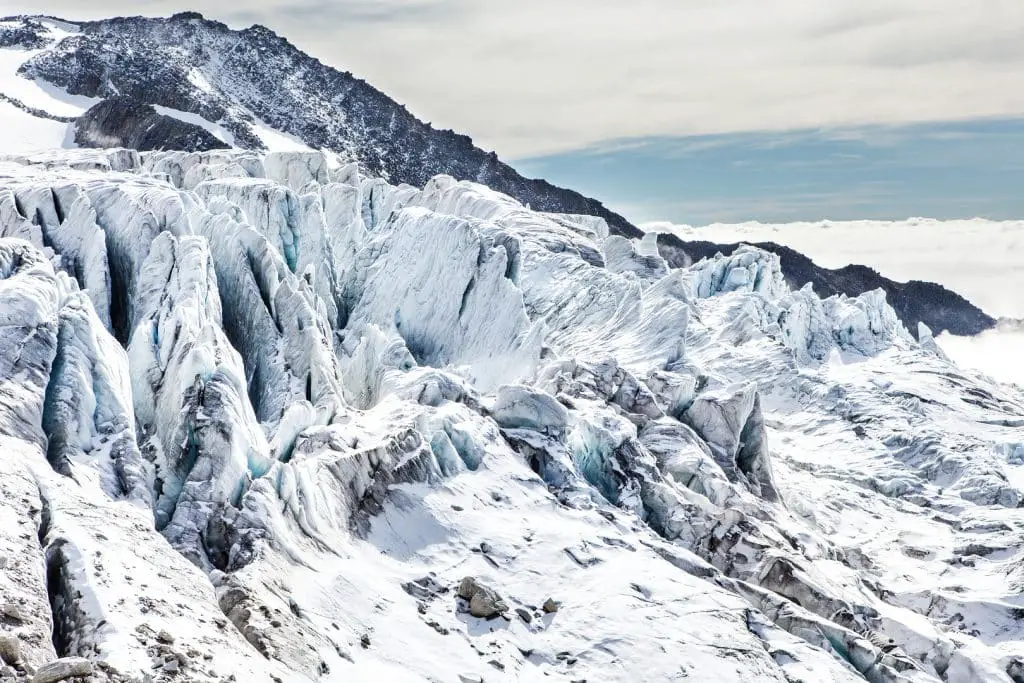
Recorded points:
(789, 113)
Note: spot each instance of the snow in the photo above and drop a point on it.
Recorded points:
(217, 131)
(22, 132)
(39, 94)
(277, 141)
(280, 411)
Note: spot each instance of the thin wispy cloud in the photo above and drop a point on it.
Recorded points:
(351, 11)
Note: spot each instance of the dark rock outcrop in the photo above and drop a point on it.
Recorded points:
(123, 122)
(940, 309)
(26, 36)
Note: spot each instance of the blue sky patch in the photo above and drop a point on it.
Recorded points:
(960, 169)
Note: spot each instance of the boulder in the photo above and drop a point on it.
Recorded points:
(484, 602)
(10, 648)
(62, 670)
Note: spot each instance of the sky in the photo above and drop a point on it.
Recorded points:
(597, 94)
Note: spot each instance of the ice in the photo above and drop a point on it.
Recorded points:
(271, 391)
(455, 306)
(88, 414)
(942, 251)
(747, 270)
(296, 170)
(62, 216)
(190, 391)
(731, 422)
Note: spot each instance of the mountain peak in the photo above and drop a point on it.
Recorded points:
(186, 16)
(257, 87)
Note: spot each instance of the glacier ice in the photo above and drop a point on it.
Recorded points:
(245, 399)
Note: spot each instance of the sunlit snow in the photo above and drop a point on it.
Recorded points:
(269, 413)
(977, 258)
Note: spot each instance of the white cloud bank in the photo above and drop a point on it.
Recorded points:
(997, 352)
(538, 76)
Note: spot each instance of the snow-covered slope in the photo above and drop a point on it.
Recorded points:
(270, 419)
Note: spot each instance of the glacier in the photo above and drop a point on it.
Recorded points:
(944, 251)
(262, 415)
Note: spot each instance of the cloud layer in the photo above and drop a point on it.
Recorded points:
(540, 76)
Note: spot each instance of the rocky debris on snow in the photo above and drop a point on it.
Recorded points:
(551, 606)
(424, 588)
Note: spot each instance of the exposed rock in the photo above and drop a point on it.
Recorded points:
(62, 670)
(123, 122)
(484, 602)
(551, 606)
(424, 588)
(12, 611)
(10, 648)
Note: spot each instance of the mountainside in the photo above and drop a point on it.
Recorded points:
(246, 82)
(265, 419)
(125, 122)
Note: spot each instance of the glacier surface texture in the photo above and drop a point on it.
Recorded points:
(264, 418)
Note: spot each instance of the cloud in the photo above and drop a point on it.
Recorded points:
(349, 11)
(540, 76)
